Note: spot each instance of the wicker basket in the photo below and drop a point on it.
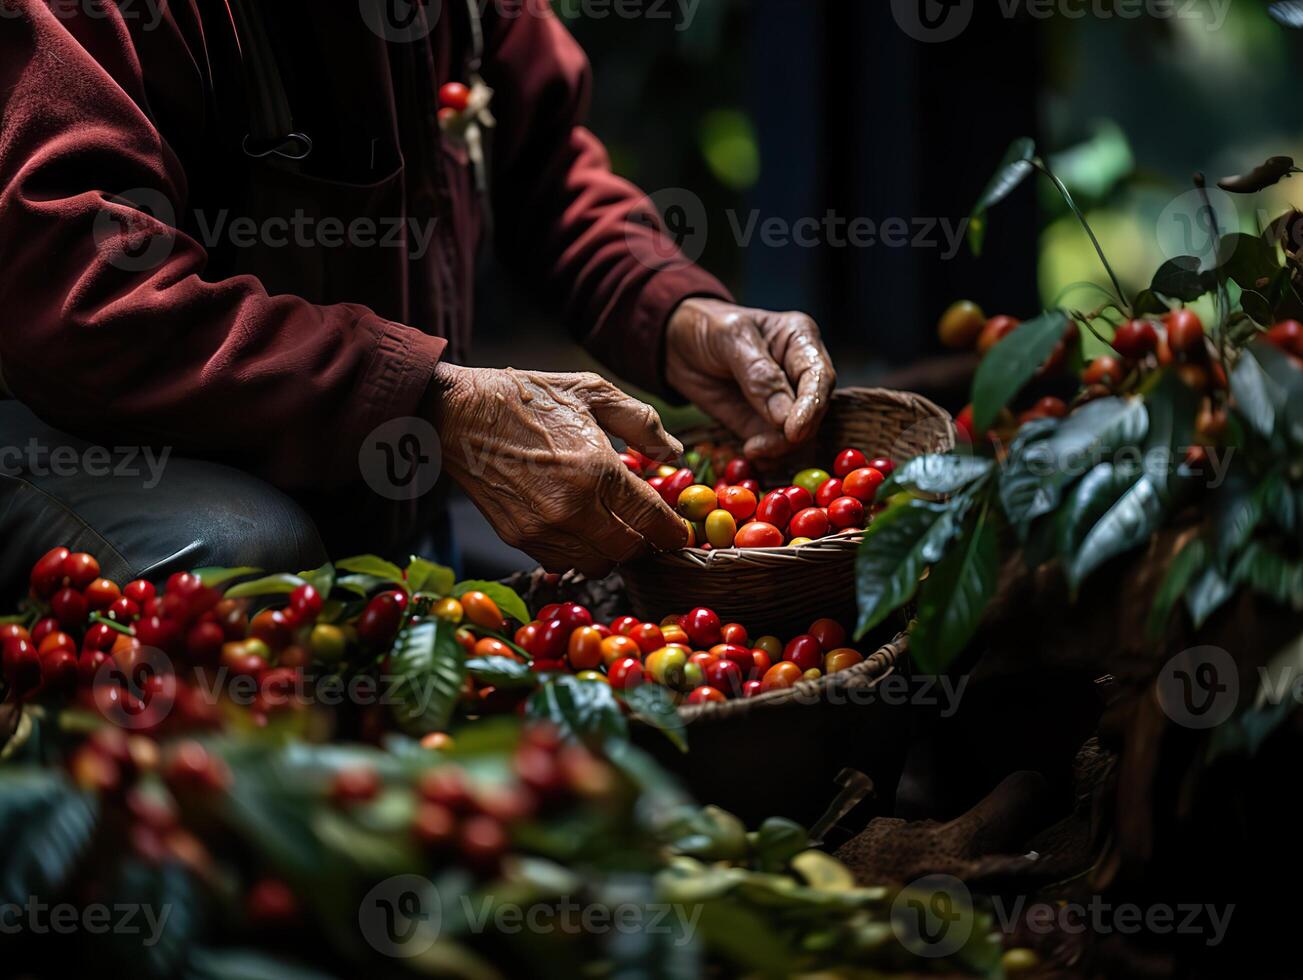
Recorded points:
(778, 754)
(782, 590)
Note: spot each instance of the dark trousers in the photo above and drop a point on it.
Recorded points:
(148, 512)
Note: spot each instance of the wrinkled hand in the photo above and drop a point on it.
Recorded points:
(531, 450)
(764, 375)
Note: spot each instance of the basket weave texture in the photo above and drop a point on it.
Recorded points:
(782, 590)
(834, 687)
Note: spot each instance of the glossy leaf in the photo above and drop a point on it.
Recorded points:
(1236, 509)
(1258, 397)
(936, 473)
(217, 577)
(1248, 259)
(508, 601)
(280, 584)
(430, 667)
(1189, 562)
(46, 824)
(1012, 171)
(1270, 574)
(373, 565)
(322, 579)
(778, 841)
(953, 597)
(652, 704)
(1087, 502)
(897, 546)
(1033, 479)
(1208, 592)
(586, 710)
(1011, 363)
(425, 576)
(1182, 278)
(501, 672)
(1128, 524)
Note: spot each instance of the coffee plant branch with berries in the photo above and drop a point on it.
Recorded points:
(1180, 420)
(319, 774)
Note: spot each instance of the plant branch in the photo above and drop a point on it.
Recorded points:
(1044, 168)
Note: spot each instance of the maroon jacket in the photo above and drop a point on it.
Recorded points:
(226, 339)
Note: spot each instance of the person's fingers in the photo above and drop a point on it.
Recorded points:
(760, 439)
(759, 375)
(807, 363)
(641, 509)
(627, 418)
(561, 551)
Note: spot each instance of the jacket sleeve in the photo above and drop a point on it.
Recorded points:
(590, 242)
(108, 328)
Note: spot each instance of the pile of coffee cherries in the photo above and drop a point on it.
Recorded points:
(735, 514)
(695, 656)
(120, 648)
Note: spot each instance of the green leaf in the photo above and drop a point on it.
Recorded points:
(1148, 303)
(1012, 171)
(936, 474)
(1270, 574)
(508, 601)
(372, 565)
(953, 597)
(776, 842)
(1248, 259)
(579, 709)
(1273, 704)
(898, 545)
(1182, 278)
(426, 576)
(46, 824)
(1128, 524)
(1013, 362)
(1171, 406)
(1236, 510)
(362, 585)
(1087, 502)
(283, 583)
(1288, 379)
(1036, 473)
(652, 704)
(1257, 306)
(322, 579)
(501, 672)
(1207, 593)
(431, 667)
(1189, 562)
(1258, 397)
(169, 891)
(216, 577)
(208, 963)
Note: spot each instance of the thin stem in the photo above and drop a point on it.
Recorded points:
(1223, 296)
(1044, 168)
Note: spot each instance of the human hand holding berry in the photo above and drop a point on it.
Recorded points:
(531, 450)
(765, 375)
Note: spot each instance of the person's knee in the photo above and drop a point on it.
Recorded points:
(140, 512)
(217, 516)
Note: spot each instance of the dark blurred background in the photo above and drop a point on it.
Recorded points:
(792, 109)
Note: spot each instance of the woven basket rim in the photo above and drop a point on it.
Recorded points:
(865, 675)
(831, 546)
